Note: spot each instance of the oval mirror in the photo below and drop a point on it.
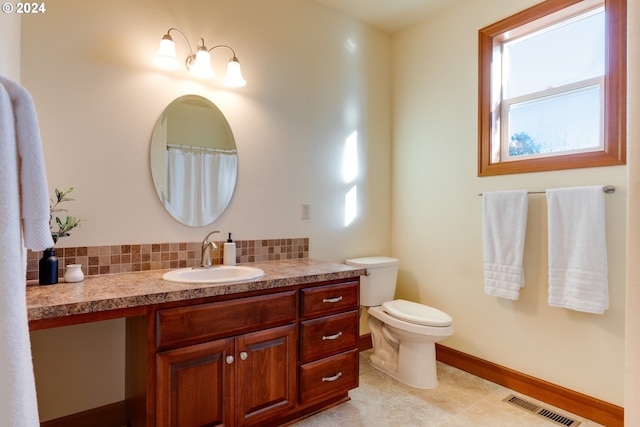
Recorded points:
(194, 160)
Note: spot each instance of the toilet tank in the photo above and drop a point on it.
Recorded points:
(380, 284)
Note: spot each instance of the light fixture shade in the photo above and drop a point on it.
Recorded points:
(198, 63)
(201, 66)
(166, 56)
(234, 74)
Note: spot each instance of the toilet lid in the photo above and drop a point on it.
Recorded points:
(416, 313)
(372, 261)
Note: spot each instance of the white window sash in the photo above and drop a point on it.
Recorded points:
(505, 107)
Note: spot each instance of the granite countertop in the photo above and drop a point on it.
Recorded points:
(126, 290)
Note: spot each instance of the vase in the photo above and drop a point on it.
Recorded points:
(48, 267)
(73, 273)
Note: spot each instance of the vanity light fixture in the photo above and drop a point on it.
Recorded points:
(199, 63)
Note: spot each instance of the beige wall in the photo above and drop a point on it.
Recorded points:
(313, 77)
(10, 46)
(632, 374)
(436, 217)
(98, 98)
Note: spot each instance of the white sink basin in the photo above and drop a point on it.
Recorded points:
(217, 274)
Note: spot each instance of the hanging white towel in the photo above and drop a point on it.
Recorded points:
(504, 224)
(577, 249)
(24, 220)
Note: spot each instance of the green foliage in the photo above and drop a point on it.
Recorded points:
(64, 225)
(521, 143)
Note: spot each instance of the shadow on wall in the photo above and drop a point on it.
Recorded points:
(407, 287)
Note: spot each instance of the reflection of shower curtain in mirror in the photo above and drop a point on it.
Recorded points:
(199, 185)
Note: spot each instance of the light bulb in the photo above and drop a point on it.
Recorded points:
(201, 66)
(234, 74)
(166, 56)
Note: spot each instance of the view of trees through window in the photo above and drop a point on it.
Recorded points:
(521, 143)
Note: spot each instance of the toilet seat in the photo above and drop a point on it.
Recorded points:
(416, 313)
(401, 327)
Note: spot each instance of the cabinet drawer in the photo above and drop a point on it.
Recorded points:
(327, 377)
(328, 335)
(329, 299)
(187, 325)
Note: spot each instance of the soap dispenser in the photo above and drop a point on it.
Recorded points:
(229, 252)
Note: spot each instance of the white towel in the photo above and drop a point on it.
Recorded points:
(24, 195)
(504, 226)
(577, 249)
(34, 192)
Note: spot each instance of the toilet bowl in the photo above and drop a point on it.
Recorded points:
(403, 332)
(415, 361)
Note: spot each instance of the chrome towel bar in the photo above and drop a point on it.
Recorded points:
(609, 189)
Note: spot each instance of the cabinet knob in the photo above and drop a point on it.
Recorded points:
(333, 378)
(244, 355)
(335, 299)
(332, 337)
(230, 360)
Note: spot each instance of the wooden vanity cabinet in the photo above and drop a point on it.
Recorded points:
(241, 379)
(328, 341)
(261, 360)
(249, 377)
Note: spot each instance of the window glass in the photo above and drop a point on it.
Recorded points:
(568, 52)
(569, 122)
(550, 104)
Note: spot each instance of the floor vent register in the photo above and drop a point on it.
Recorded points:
(540, 411)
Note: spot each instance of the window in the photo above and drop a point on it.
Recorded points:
(552, 83)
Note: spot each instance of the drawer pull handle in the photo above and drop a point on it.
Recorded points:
(332, 337)
(336, 299)
(333, 378)
(244, 355)
(230, 360)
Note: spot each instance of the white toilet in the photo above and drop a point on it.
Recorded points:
(404, 333)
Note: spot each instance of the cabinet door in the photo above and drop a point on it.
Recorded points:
(265, 374)
(195, 385)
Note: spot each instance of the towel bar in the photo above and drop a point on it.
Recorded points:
(608, 189)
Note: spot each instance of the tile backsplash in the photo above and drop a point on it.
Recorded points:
(97, 260)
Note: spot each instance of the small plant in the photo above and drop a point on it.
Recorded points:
(66, 225)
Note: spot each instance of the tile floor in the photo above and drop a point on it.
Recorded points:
(461, 400)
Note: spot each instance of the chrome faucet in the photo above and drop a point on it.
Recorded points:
(207, 247)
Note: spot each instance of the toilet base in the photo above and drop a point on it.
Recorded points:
(419, 363)
(394, 353)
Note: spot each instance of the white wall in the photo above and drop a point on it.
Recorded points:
(314, 77)
(436, 217)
